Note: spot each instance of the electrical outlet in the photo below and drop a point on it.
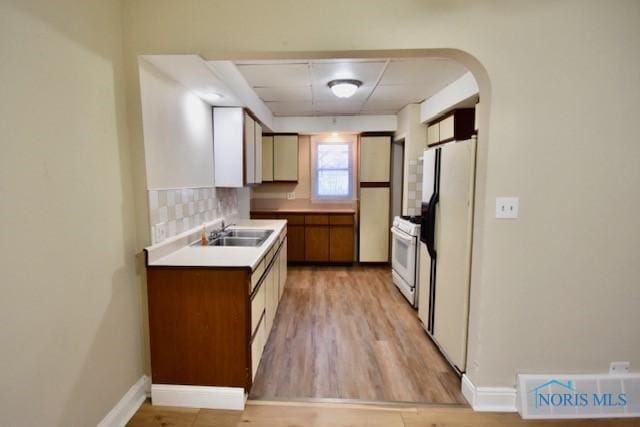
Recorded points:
(507, 207)
(619, 367)
(161, 232)
(291, 196)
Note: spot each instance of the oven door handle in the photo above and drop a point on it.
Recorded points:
(402, 236)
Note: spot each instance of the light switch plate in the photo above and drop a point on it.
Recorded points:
(160, 232)
(619, 368)
(507, 207)
(291, 196)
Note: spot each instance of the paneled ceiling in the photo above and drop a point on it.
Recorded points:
(299, 87)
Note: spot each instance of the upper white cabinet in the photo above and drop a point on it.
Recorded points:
(457, 125)
(285, 157)
(237, 148)
(267, 158)
(433, 134)
(375, 158)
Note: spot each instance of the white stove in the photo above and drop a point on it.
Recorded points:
(405, 235)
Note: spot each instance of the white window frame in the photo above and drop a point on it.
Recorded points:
(319, 140)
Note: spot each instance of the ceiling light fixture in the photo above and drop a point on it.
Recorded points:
(212, 96)
(344, 88)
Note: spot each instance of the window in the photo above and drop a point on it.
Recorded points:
(332, 171)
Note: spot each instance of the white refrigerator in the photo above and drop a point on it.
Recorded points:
(445, 246)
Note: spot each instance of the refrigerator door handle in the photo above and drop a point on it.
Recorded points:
(430, 224)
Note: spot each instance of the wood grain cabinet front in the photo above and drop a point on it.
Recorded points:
(209, 326)
(316, 248)
(317, 237)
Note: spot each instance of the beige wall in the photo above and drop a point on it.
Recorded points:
(70, 315)
(557, 289)
(414, 134)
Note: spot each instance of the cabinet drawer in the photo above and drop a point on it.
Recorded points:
(256, 275)
(293, 219)
(270, 253)
(316, 219)
(257, 346)
(341, 219)
(257, 307)
(446, 128)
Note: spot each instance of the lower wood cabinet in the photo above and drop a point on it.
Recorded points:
(341, 243)
(316, 246)
(208, 326)
(316, 236)
(296, 239)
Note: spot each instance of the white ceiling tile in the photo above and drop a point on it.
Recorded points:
(378, 112)
(337, 107)
(367, 72)
(284, 93)
(407, 93)
(292, 108)
(299, 87)
(432, 71)
(274, 75)
(384, 104)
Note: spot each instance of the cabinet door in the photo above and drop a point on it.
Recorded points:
(433, 134)
(316, 238)
(249, 150)
(283, 267)
(476, 117)
(295, 249)
(270, 308)
(267, 158)
(446, 129)
(374, 225)
(375, 158)
(228, 134)
(341, 243)
(285, 158)
(257, 141)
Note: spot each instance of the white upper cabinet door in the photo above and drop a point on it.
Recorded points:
(476, 117)
(433, 134)
(375, 158)
(249, 149)
(267, 158)
(228, 134)
(257, 141)
(285, 158)
(446, 128)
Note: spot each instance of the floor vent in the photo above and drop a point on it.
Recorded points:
(578, 396)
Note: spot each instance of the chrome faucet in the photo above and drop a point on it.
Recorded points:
(219, 232)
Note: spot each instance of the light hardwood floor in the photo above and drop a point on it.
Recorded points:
(347, 333)
(320, 415)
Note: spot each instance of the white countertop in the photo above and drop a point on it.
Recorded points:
(178, 252)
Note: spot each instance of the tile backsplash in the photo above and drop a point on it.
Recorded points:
(414, 189)
(178, 210)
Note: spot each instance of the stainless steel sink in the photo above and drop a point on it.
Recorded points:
(259, 234)
(237, 241)
(240, 237)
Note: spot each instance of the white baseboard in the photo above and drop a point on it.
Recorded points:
(120, 415)
(198, 396)
(489, 399)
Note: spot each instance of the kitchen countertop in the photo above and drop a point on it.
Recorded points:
(319, 211)
(178, 252)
